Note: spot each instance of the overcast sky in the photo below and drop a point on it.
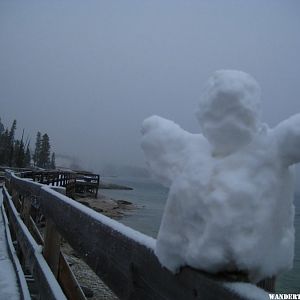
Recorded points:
(89, 72)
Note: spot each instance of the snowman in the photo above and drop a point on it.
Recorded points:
(230, 202)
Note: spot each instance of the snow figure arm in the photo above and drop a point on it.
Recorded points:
(287, 134)
(167, 147)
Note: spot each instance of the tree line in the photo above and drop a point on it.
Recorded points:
(17, 153)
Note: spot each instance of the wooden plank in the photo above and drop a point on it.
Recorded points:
(130, 269)
(68, 281)
(66, 278)
(23, 288)
(51, 249)
(26, 208)
(35, 232)
(48, 287)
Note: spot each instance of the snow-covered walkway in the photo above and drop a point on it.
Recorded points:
(8, 279)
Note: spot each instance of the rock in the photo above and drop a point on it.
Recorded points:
(123, 202)
(113, 186)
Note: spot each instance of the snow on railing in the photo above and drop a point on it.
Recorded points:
(122, 257)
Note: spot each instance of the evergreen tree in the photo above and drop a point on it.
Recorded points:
(10, 146)
(16, 153)
(27, 157)
(4, 147)
(44, 157)
(19, 153)
(13, 130)
(20, 156)
(16, 158)
(37, 150)
(52, 163)
(1, 127)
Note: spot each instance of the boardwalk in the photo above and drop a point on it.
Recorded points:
(122, 257)
(9, 281)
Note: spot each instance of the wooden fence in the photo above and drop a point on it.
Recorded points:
(122, 257)
(54, 178)
(87, 183)
(75, 182)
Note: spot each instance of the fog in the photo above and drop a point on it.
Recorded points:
(89, 72)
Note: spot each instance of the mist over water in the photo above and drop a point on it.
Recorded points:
(149, 198)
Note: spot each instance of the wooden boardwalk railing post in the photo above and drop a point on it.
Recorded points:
(51, 250)
(26, 209)
(16, 199)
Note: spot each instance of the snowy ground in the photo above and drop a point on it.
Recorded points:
(8, 280)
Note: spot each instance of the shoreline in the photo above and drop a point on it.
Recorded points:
(113, 186)
(112, 208)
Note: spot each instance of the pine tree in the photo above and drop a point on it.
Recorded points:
(27, 157)
(37, 150)
(44, 156)
(1, 127)
(2, 142)
(19, 153)
(52, 163)
(4, 147)
(10, 146)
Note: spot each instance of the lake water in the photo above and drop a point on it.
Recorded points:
(150, 198)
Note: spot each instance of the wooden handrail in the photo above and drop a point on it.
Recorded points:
(49, 288)
(78, 181)
(122, 257)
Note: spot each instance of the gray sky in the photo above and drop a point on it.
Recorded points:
(89, 72)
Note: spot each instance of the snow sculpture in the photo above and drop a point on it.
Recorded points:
(230, 203)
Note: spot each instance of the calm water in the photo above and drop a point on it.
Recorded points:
(151, 197)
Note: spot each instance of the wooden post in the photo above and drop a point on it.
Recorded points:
(68, 281)
(35, 232)
(51, 250)
(16, 199)
(26, 208)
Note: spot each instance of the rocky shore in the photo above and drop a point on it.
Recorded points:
(113, 186)
(112, 208)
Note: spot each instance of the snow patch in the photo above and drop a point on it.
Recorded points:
(8, 279)
(247, 290)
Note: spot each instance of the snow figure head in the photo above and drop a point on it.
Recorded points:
(229, 110)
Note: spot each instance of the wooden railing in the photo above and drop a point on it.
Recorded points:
(74, 181)
(54, 178)
(122, 257)
(87, 183)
